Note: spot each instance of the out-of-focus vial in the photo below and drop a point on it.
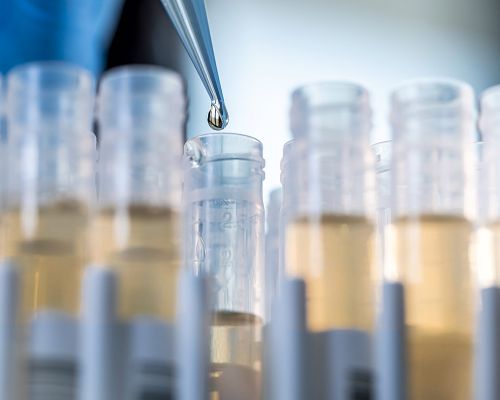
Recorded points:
(272, 248)
(431, 233)
(49, 191)
(3, 162)
(3, 123)
(224, 238)
(136, 228)
(328, 226)
(487, 254)
(382, 151)
(488, 234)
(135, 231)
(328, 231)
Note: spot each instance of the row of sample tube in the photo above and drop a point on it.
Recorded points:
(378, 262)
(72, 209)
(408, 227)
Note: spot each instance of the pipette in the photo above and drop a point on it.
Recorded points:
(190, 20)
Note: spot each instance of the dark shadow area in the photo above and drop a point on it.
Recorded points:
(144, 35)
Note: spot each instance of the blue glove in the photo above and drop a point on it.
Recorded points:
(77, 31)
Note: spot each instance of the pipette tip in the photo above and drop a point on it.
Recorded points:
(217, 117)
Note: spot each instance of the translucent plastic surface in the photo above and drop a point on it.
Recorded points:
(328, 192)
(142, 244)
(488, 236)
(136, 229)
(433, 132)
(50, 184)
(49, 193)
(434, 251)
(330, 111)
(52, 256)
(333, 254)
(431, 233)
(3, 160)
(383, 159)
(224, 233)
(272, 247)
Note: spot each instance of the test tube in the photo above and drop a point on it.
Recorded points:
(135, 230)
(487, 257)
(141, 111)
(50, 188)
(224, 234)
(431, 233)
(383, 151)
(3, 124)
(328, 180)
(272, 247)
(3, 163)
(488, 235)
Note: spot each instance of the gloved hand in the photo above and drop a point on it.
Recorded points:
(76, 31)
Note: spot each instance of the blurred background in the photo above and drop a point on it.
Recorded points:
(266, 48)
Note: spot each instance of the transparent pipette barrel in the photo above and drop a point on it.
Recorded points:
(190, 20)
(327, 216)
(224, 234)
(431, 232)
(488, 235)
(50, 189)
(141, 113)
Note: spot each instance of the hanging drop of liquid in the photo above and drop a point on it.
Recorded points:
(217, 117)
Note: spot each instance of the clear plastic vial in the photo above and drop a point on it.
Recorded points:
(50, 182)
(272, 247)
(488, 234)
(224, 235)
(3, 163)
(328, 189)
(141, 112)
(431, 233)
(383, 153)
(50, 189)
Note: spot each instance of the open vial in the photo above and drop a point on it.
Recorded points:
(50, 190)
(224, 234)
(135, 230)
(429, 245)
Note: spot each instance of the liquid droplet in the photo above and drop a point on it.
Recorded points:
(217, 117)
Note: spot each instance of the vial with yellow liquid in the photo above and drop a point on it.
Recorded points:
(224, 233)
(429, 242)
(487, 260)
(328, 177)
(50, 189)
(488, 254)
(328, 231)
(135, 229)
(383, 158)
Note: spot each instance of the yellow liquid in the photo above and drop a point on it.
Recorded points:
(143, 247)
(432, 253)
(334, 255)
(235, 355)
(51, 257)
